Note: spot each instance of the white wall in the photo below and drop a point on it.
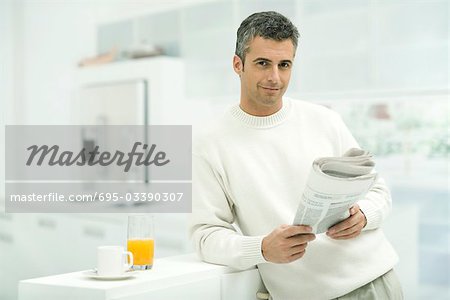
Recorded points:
(56, 35)
(6, 82)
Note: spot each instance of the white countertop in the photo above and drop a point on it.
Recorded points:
(185, 273)
(164, 268)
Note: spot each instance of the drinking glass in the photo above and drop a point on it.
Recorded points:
(140, 241)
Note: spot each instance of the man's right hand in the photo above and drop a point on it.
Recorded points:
(286, 243)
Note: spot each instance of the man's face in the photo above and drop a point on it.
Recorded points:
(265, 75)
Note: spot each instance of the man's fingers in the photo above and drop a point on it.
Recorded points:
(354, 209)
(348, 231)
(298, 248)
(346, 237)
(349, 228)
(296, 230)
(296, 256)
(341, 226)
(348, 223)
(286, 243)
(301, 239)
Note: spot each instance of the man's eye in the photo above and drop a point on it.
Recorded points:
(262, 63)
(285, 65)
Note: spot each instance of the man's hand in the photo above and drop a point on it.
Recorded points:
(350, 227)
(286, 243)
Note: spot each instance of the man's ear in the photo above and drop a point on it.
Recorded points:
(238, 65)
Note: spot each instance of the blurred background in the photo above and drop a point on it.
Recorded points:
(382, 64)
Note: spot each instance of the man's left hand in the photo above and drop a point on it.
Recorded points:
(350, 227)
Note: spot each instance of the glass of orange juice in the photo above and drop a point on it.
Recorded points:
(140, 241)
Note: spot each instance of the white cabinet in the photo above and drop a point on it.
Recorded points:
(164, 77)
(197, 289)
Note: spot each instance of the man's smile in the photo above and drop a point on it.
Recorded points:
(270, 88)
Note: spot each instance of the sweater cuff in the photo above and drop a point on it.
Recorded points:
(251, 250)
(372, 216)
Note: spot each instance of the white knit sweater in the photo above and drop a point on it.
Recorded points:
(251, 171)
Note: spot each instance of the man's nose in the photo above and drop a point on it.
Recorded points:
(274, 75)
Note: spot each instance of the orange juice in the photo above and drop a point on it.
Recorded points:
(143, 250)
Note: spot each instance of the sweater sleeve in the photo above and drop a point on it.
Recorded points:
(214, 237)
(377, 203)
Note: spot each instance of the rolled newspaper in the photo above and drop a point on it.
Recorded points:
(334, 185)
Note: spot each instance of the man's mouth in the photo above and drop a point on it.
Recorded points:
(270, 88)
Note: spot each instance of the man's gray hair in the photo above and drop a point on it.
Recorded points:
(268, 25)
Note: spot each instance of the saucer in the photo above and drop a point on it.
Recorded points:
(94, 275)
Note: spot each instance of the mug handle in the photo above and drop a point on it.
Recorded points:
(127, 265)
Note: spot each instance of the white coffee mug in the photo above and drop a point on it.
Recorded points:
(112, 260)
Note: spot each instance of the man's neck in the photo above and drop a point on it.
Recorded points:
(260, 110)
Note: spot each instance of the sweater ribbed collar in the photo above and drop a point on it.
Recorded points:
(262, 122)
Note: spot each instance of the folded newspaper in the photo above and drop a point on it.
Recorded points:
(334, 185)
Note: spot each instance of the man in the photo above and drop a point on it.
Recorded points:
(249, 172)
